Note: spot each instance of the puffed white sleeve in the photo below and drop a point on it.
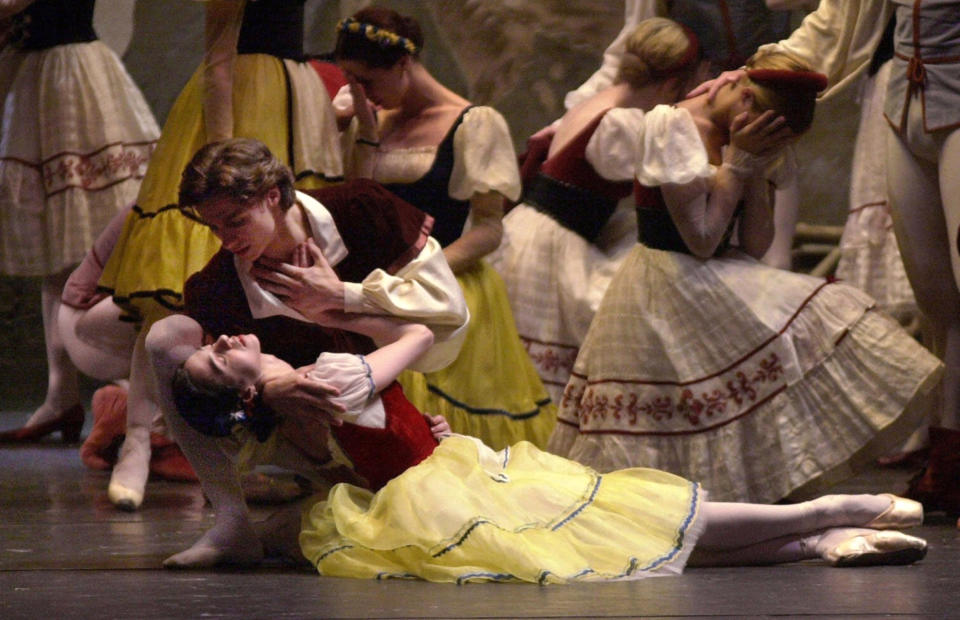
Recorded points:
(838, 39)
(352, 377)
(483, 156)
(612, 149)
(425, 291)
(670, 150)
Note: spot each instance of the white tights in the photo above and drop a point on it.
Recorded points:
(751, 534)
(924, 190)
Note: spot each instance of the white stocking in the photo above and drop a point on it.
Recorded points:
(99, 344)
(129, 478)
(925, 203)
(62, 388)
(232, 539)
(731, 525)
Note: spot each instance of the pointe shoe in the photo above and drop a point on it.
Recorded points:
(124, 498)
(69, 422)
(876, 549)
(901, 514)
(109, 406)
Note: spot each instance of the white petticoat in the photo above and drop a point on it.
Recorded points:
(75, 137)
(754, 381)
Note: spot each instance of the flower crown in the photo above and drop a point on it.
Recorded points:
(376, 34)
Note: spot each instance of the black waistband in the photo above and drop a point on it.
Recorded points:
(581, 210)
(47, 24)
(656, 230)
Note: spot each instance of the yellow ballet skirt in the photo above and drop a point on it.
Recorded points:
(468, 513)
(160, 247)
(492, 390)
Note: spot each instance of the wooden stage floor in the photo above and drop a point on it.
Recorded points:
(67, 553)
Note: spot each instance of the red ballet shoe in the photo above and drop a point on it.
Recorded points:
(69, 422)
(102, 445)
(168, 462)
(938, 486)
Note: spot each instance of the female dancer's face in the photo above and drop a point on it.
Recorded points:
(231, 361)
(384, 87)
(245, 228)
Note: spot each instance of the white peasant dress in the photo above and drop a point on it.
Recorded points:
(555, 277)
(757, 382)
(75, 138)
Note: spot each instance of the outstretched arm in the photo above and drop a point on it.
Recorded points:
(400, 343)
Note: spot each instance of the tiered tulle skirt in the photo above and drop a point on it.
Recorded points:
(754, 381)
(468, 513)
(75, 138)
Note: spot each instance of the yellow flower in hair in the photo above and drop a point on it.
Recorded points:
(375, 34)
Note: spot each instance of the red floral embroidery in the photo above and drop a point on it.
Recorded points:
(549, 359)
(696, 407)
(101, 169)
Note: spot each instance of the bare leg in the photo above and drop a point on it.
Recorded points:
(280, 534)
(129, 478)
(62, 388)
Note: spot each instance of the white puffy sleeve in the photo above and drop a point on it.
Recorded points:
(612, 149)
(424, 290)
(670, 151)
(350, 374)
(483, 156)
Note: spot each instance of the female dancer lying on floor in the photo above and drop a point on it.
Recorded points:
(450, 517)
(214, 386)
